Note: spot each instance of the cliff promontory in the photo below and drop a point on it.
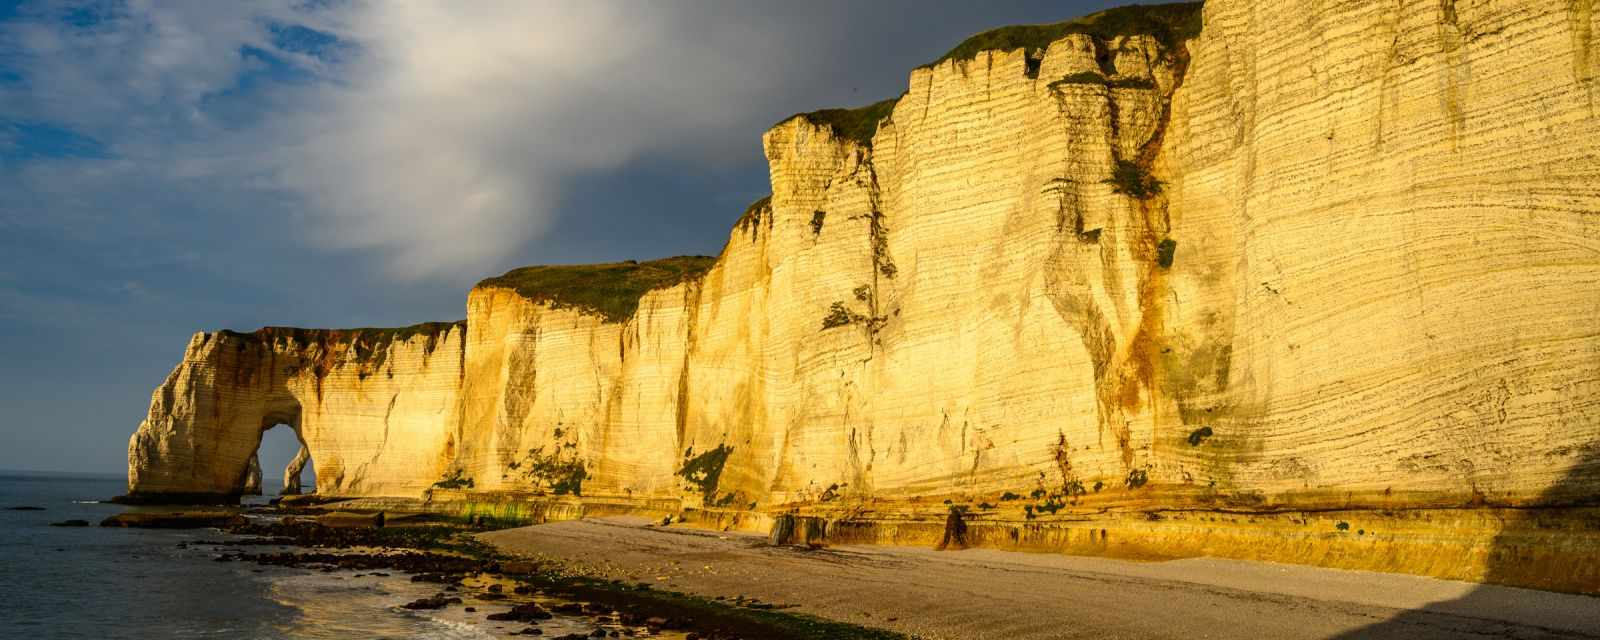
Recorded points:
(1313, 283)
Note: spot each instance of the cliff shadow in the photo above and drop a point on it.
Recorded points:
(1536, 567)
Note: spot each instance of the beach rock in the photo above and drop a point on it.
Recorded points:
(292, 471)
(351, 519)
(25, 508)
(523, 613)
(70, 523)
(252, 477)
(174, 520)
(434, 602)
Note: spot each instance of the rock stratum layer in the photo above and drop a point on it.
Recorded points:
(1304, 283)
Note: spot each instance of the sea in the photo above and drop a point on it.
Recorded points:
(93, 582)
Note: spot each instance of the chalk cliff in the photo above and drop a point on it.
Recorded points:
(372, 405)
(1313, 283)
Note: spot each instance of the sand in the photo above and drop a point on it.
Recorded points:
(997, 594)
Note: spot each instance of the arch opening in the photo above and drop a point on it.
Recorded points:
(283, 463)
(280, 462)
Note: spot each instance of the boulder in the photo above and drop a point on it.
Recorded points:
(174, 519)
(523, 613)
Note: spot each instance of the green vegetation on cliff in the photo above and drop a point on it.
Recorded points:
(1169, 23)
(858, 124)
(704, 471)
(754, 212)
(1134, 181)
(611, 290)
(367, 341)
(455, 480)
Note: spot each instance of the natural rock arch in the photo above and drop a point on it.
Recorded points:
(206, 438)
(372, 409)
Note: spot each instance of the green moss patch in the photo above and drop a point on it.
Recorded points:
(558, 472)
(1134, 181)
(1165, 251)
(454, 480)
(704, 472)
(753, 213)
(1168, 23)
(610, 290)
(838, 316)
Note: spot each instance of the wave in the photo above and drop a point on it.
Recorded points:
(453, 630)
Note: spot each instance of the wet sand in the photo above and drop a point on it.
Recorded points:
(997, 594)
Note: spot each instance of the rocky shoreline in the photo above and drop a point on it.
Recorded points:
(470, 574)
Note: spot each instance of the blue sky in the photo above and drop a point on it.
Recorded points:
(169, 167)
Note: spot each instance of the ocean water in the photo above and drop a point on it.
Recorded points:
(93, 582)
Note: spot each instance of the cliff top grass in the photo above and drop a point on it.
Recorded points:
(1169, 23)
(611, 290)
(858, 124)
(367, 340)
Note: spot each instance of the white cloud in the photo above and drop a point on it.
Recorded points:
(441, 143)
(447, 141)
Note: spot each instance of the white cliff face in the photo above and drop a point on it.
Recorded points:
(1007, 314)
(1368, 280)
(374, 410)
(1403, 213)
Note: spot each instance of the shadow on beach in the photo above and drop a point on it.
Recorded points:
(1515, 558)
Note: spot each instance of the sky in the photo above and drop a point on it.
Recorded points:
(175, 166)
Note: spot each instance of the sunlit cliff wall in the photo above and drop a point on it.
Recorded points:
(373, 408)
(1319, 258)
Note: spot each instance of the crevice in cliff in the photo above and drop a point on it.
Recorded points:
(882, 262)
(1453, 70)
(691, 304)
(1580, 15)
(1391, 58)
